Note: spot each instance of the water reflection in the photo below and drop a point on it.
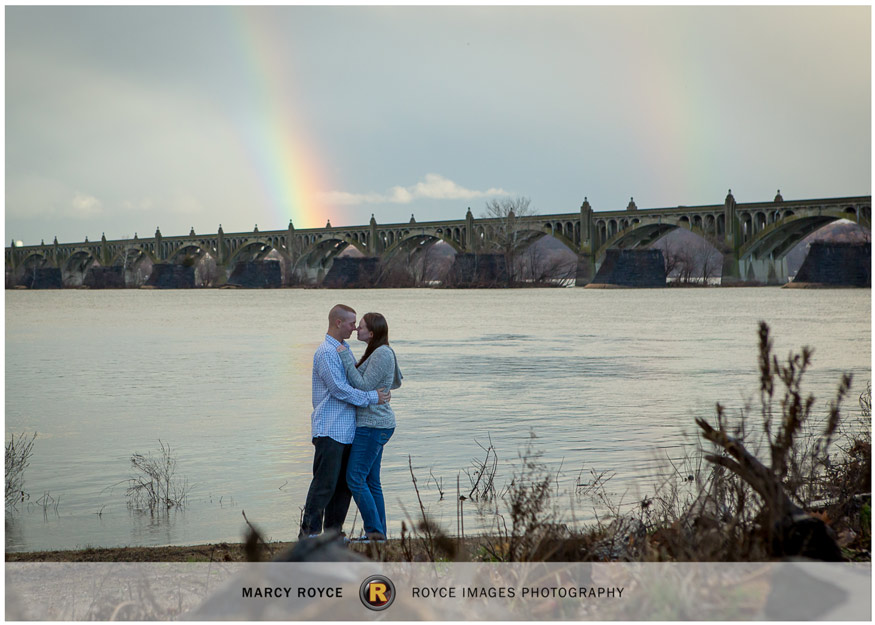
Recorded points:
(155, 528)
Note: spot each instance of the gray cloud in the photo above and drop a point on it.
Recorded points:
(85, 206)
(433, 187)
(195, 116)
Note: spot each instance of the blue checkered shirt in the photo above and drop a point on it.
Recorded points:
(334, 400)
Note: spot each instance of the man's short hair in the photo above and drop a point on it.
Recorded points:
(335, 312)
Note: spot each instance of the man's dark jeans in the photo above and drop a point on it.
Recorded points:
(329, 496)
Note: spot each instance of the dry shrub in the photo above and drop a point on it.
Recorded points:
(426, 536)
(155, 485)
(744, 509)
(536, 532)
(18, 453)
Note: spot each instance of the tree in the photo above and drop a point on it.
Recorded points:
(709, 260)
(424, 264)
(206, 271)
(542, 266)
(691, 259)
(671, 257)
(509, 236)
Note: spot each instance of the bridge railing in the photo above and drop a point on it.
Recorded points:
(856, 201)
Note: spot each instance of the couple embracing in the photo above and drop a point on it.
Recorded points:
(351, 422)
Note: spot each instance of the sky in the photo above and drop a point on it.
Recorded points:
(120, 120)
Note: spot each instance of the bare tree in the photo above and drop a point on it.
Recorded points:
(690, 259)
(421, 278)
(508, 235)
(670, 255)
(541, 267)
(418, 262)
(399, 272)
(529, 264)
(206, 271)
(709, 261)
(686, 268)
(430, 265)
(133, 271)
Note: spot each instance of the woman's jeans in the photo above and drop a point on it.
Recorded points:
(363, 476)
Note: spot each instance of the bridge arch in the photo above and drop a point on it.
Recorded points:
(189, 250)
(644, 235)
(710, 225)
(314, 263)
(35, 257)
(522, 237)
(566, 232)
(76, 265)
(412, 244)
(449, 235)
(454, 236)
(776, 239)
(79, 257)
(256, 250)
(357, 239)
(27, 264)
(119, 254)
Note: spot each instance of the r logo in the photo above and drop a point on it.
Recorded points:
(377, 592)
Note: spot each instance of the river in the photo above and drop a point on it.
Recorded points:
(605, 380)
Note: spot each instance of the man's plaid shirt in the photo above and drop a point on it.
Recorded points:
(334, 400)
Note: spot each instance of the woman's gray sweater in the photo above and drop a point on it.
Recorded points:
(380, 370)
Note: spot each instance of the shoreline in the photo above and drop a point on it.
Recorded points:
(207, 552)
(393, 550)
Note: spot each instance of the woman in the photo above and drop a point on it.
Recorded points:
(378, 368)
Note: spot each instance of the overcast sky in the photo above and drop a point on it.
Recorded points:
(122, 119)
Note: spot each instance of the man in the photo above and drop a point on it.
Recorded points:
(333, 427)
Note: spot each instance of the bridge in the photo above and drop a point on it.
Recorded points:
(754, 239)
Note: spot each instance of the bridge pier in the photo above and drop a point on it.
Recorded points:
(257, 274)
(631, 269)
(353, 272)
(586, 269)
(171, 276)
(731, 274)
(112, 277)
(768, 271)
(42, 278)
(836, 265)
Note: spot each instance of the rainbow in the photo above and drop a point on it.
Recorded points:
(284, 157)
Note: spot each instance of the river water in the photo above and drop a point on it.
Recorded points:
(606, 381)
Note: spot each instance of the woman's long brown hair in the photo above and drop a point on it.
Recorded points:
(380, 334)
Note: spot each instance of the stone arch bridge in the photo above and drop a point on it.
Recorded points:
(754, 239)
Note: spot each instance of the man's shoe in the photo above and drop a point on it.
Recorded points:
(303, 536)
